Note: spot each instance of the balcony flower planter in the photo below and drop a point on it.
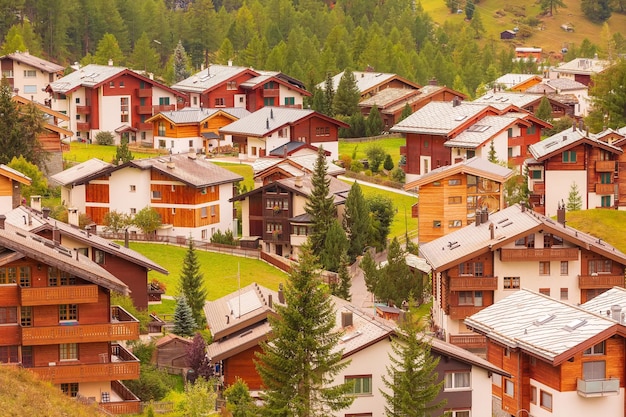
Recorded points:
(277, 234)
(277, 209)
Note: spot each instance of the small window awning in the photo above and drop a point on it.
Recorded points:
(210, 135)
(125, 128)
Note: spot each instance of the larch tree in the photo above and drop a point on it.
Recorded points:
(343, 285)
(551, 6)
(191, 284)
(492, 156)
(320, 206)
(347, 97)
(374, 122)
(299, 362)
(356, 221)
(122, 153)
(109, 51)
(239, 401)
(406, 112)
(411, 380)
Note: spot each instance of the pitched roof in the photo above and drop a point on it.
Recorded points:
(504, 99)
(197, 115)
(463, 355)
(211, 77)
(49, 253)
(483, 130)
(611, 303)
(566, 139)
(296, 165)
(170, 337)
(511, 80)
(509, 224)
(367, 80)
(545, 327)
(72, 175)
(390, 96)
(13, 174)
(35, 62)
(33, 221)
(439, 118)
(474, 166)
(583, 66)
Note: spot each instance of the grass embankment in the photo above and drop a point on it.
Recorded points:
(391, 146)
(81, 152)
(607, 225)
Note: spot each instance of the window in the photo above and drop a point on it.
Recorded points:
(68, 351)
(173, 210)
(544, 291)
(8, 275)
(528, 241)
(597, 349)
(8, 315)
(124, 118)
(605, 178)
(436, 224)
(121, 84)
(30, 73)
(455, 200)
(203, 212)
(57, 277)
(27, 356)
(600, 266)
(544, 268)
(24, 276)
(68, 312)
(455, 223)
(456, 381)
(133, 211)
(213, 210)
(564, 293)
(536, 174)
(530, 130)
(161, 132)
(203, 233)
(605, 201)
(111, 84)
(510, 132)
(569, 157)
(70, 389)
(458, 413)
(546, 400)
(219, 101)
(26, 316)
(164, 101)
(509, 388)
(564, 268)
(98, 256)
(133, 188)
(156, 195)
(30, 89)
(290, 101)
(471, 268)
(454, 182)
(471, 298)
(231, 85)
(362, 384)
(533, 394)
(8, 354)
(191, 143)
(511, 283)
(270, 85)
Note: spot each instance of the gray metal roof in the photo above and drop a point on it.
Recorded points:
(603, 304)
(563, 84)
(565, 139)
(35, 62)
(538, 324)
(502, 99)
(207, 78)
(197, 115)
(482, 131)
(265, 120)
(390, 95)
(586, 66)
(439, 118)
(87, 76)
(364, 80)
(511, 80)
(77, 172)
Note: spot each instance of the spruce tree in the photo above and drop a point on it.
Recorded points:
(492, 156)
(181, 63)
(574, 200)
(335, 243)
(388, 163)
(406, 112)
(342, 287)
(347, 97)
(299, 362)
(411, 379)
(122, 153)
(184, 324)
(320, 206)
(329, 95)
(544, 110)
(356, 221)
(374, 122)
(192, 284)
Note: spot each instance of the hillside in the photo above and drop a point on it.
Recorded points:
(24, 395)
(607, 225)
(499, 15)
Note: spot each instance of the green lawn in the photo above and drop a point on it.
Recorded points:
(244, 170)
(81, 152)
(390, 145)
(604, 224)
(220, 271)
(402, 221)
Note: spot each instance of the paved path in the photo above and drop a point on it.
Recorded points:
(361, 297)
(379, 186)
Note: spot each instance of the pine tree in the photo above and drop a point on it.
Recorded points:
(184, 324)
(356, 221)
(239, 401)
(329, 95)
(469, 9)
(299, 362)
(192, 284)
(411, 377)
(492, 156)
(347, 97)
(122, 153)
(388, 163)
(335, 243)
(342, 288)
(574, 200)
(406, 112)
(544, 110)
(374, 122)
(320, 206)
(181, 63)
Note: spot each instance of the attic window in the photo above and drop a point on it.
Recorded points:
(544, 319)
(574, 324)
(459, 118)
(478, 128)
(350, 336)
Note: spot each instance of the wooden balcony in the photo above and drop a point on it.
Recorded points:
(10, 335)
(144, 92)
(461, 312)
(143, 126)
(606, 166)
(130, 404)
(83, 126)
(538, 187)
(123, 326)
(83, 109)
(144, 110)
(473, 283)
(74, 294)
(590, 282)
(9, 295)
(163, 107)
(605, 189)
(546, 254)
(469, 341)
(517, 141)
(270, 92)
(122, 366)
(277, 237)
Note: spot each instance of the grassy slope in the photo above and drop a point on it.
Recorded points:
(22, 394)
(604, 224)
(390, 145)
(81, 152)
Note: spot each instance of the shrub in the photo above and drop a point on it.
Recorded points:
(368, 172)
(398, 175)
(356, 166)
(104, 138)
(346, 160)
(225, 238)
(152, 385)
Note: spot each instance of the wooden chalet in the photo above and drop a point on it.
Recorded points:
(267, 170)
(28, 75)
(581, 69)
(58, 321)
(171, 355)
(527, 102)
(11, 182)
(370, 82)
(451, 195)
(563, 359)
(514, 248)
(127, 265)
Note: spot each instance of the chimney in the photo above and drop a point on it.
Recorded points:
(126, 237)
(270, 302)
(88, 230)
(230, 62)
(346, 319)
(46, 212)
(492, 231)
(298, 182)
(523, 206)
(267, 123)
(35, 202)
(477, 218)
(616, 312)
(56, 235)
(110, 62)
(281, 294)
(432, 81)
(484, 215)
(272, 114)
(560, 214)
(171, 164)
(227, 319)
(455, 101)
(2, 220)
(573, 125)
(72, 216)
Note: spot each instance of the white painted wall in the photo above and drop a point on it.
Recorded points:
(481, 392)
(558, 185)
(284, 92)
(74, 197)
(121, 198)
(332, 147)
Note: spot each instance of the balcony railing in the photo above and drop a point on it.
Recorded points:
(473, 283)
(605, 189)
(123, 326)
(598, 387)
(144, 92)
(144, 110)
(516, 141)
(469, 341)
(130, 404)
(75, 294)
(163, 107)
(589, 282)
(271, 92)
(545, 254)
(461, 312)
(605, 166)
(539, 187)
(83, 126)
(122, 367)
(143, 126)
(10, 334)
(83, 109)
